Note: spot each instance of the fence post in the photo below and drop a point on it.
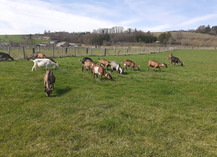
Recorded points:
(115, 51)
(78, 51)
(74, 49)
(9, 49)
(91, 51)
(38, 48)
(86, 51)
(24, 56)
(33, 50)
(53, 51)
(66, 50)
(105, 52)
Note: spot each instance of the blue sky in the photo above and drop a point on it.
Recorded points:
(28, 16)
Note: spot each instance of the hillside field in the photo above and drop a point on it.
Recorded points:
(168, 113)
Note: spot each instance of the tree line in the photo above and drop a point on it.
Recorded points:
(207, 29)
(111, 36)
(103, 37)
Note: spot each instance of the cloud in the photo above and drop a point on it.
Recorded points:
(159, 28)
(25, 17)
(198, 20)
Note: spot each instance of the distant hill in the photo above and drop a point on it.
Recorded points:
(21, 39)
(184, 38)
(193, 38)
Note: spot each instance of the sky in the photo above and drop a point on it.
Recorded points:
(36, 16)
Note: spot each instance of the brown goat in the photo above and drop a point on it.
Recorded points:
(131, 64)
(175, 60)
(104, 62)
(49, 80)
(170, 55)
(87, 65)
(36, 55)
(39, 55)
(98, 70)
(155, 64)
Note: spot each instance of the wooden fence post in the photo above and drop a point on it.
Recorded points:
(24, 55)
(53, 51)
(115, 51)
(74, 49)
(86, 51)
(105, 52)
(9, 50)
(66, 50)
(33, 50)
(78, 51)
(91, 51)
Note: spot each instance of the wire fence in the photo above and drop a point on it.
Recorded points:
(53, 51)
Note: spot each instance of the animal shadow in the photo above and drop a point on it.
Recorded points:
(62, 91)
(125, 73)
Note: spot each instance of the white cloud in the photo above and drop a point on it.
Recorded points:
(25, 17)
(159, 28)
(198, 20)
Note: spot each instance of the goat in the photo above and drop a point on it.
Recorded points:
(131, 64)
(98, 70)
(85, 59)
(87, 65)
(43, 63)
(116, 66)
(36, 55)
(152, 63)
(49, 80)
(170, 55)
(104, 62)
(39, 55)
(5, 56)
(175, 60)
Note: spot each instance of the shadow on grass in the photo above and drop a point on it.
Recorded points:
(125, 73)
(63, 91)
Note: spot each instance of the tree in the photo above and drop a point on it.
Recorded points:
(164, 38)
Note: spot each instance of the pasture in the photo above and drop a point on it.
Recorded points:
(147, 113)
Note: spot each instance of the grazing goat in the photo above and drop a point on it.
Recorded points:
(86, 59)
(170, 55)
(98, 70)
(44, 63)
(87, 65)
(5, 56)
(104, 62)
(175, 60)
(49, 80)
(131, 64)
(39, 55)
(155, 64)
(36, 55)
(116, 66)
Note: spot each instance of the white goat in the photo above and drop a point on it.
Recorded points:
(43, 63)
(115, 65)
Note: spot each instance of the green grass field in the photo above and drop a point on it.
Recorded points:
(19, 39)
(147, 113)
